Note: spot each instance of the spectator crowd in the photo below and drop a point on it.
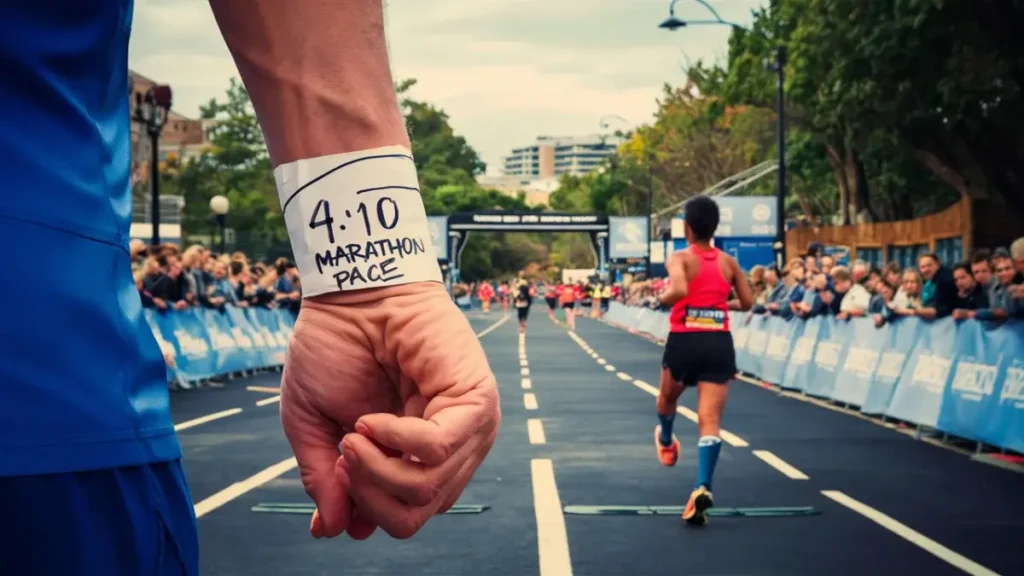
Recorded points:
(169, 278)
(988, 286)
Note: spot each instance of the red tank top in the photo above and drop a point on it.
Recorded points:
(705, 307)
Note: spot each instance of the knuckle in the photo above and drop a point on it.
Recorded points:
(405, 526)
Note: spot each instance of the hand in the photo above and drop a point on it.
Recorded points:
(398, 377)
(843, 316)
(180, 305)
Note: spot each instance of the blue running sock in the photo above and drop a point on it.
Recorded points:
(666, 428)
(708, 448)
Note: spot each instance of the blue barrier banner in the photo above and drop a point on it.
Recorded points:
(864, 347)
(781, 337)
(1007, 425)
(821, 372)
(218, 327)
(196, 358)
(243, 333)
(964, 378)
(899, 342)
(919, 391)
(798, 369)
(971, 400)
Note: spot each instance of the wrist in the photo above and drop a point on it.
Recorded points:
(374, 295)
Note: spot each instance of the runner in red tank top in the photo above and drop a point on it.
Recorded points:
(699, 350)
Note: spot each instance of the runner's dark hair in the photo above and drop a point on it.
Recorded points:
(701, 215)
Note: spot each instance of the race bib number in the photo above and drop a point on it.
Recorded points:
(705, 319)
(357, 221)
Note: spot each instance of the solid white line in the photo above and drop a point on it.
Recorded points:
(727, 437)
(552, 539)
(610, 368)
(535, 430)
(602, 361)
(781, 465)
(524, 372)
(270, 400)
(530, 401)
(526, 383)
(238, 488)
(492, 327)
(914, 537)
(204, 419)
(624, 376)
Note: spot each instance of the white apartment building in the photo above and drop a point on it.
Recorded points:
(551, 156)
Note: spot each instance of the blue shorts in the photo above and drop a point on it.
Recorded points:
(132, 521)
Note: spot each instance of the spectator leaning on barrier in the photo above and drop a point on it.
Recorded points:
(856, 299)
(1002, 297)
(1017, 254)
(939, 293)
(907, 300)
(167, 283)
(971, 296)
(981, 268)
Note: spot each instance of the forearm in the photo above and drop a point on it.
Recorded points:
(317, 74)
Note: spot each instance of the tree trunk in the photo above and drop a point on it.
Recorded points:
(836, 160)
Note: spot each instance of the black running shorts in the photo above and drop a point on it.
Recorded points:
(552, 303)
(523, 312)
(568, 305)
(693, 357)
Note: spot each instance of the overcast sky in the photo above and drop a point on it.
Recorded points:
(505, 71)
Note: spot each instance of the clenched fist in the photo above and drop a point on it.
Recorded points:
(397, 379)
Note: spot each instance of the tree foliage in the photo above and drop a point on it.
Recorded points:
(893, 110)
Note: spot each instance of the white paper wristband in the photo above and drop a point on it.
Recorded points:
(357, 221)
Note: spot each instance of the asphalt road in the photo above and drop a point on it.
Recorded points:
(577, 430)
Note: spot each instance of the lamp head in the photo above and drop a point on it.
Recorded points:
(672, 23)
(161, 96)
(219, 205)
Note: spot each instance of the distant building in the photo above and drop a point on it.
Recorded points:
(538, 191)
(552, 156)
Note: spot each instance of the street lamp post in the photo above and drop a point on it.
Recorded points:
(778, 66)
(151, 111)
(219, 205)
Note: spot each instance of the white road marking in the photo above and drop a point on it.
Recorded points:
(552, 539)
(535, 430)
(781, 465)
(204, 419)
(602, 361)
(268, 389)
(492, 327)
(526, 383)
(914, 537)
(594, 355)
(238, 488)
(524, 372)
(523, 363)
(624, 376)
(270, 400)
(530, 401)
(727, 437)
(610, 368)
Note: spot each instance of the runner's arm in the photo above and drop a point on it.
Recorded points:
(744, 295)
(677, 286)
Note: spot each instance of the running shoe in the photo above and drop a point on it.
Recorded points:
(700, 501)
(667, 455)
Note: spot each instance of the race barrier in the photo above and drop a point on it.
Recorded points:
(205, 343)
(962, 378)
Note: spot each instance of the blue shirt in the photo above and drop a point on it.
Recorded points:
(82, 379)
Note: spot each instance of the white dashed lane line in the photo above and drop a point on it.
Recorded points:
(781, 465)
(535, 430)
(624, 376)
(204, 419)
(270, 400)
(530, 401)
(914, 537)
(526, 383)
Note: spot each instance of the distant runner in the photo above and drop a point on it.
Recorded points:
(523, 299)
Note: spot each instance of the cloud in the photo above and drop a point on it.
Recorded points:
(505, 71)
